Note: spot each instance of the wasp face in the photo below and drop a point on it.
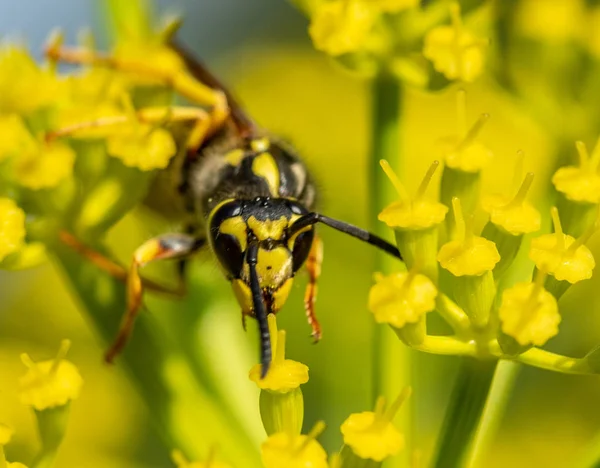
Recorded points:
(264, 223)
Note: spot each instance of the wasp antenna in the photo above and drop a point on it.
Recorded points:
(259, 311)
(358, 233)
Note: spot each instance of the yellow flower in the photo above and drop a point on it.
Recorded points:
(557, 20)
(149, 54)
(143, 146)
(515, 216)
(52, 383)
(529, 313)
(582, 183)
(561, 255)
(341, 26)
(455, 52)
(284, 374)
(44, 165)
(413, 214)
(23, 86)
(371, 434)
(14, 136)
(12, 227)
(469, 255)
(283, 450)
(401, 298)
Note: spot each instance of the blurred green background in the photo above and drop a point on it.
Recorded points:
(261, 50)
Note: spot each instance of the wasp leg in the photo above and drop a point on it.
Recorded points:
(179, 79)
(112, 267)
(313, 266)
(168, 246)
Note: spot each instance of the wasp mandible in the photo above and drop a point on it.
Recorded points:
(249, 196)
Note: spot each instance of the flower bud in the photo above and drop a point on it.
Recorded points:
(471, 260)
(415, 223)
(281, 400)
(566, 259)
(464, 158)
(509, 221)
(454, 51)
(284, 450)
(371, 435)
(579, 188)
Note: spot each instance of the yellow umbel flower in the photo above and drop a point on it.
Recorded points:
(561, 255)
(144, 146)
(12, 227)
(283, 450)
(24, 88)
(52, 383)
(210, 462)
(515, 216)
(44, 165)
(580, 183)
(284, 374)
(401, 298)
(371, 434)
(468, 255)
(341, 26)
(454, 51)
(529, 313)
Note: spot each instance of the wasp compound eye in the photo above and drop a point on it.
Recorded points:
(229, 237)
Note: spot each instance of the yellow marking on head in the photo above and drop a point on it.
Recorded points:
(235, 157)
(269, 228)
(237, 228)
(216, 208)
(265, 166)
(243, 295)
(292, 240)
(281, 295)
(260, 144)
(274, 267)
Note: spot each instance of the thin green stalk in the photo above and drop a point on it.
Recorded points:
(464, 413)
(504, 381)
(391, 365)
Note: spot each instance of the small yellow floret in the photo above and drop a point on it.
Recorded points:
(283, 450)
(558, 260)
(6, 434)
(12, 227)
(23, 86)
(44, 165)
(455, 52)
(413, 214)
(341, 26)
(52, 383)
(470, 255)
(529, 314)
(144, 147)
(561, 255)
(371, 434)
(401, 298)
(580, 183)
(284, 374)
(514, 216)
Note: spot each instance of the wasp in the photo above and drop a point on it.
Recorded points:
(249, 197)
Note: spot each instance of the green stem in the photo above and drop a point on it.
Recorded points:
(495, 406)
(466, 407)
(391, 366)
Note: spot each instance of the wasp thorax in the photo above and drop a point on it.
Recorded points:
(234, 225)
